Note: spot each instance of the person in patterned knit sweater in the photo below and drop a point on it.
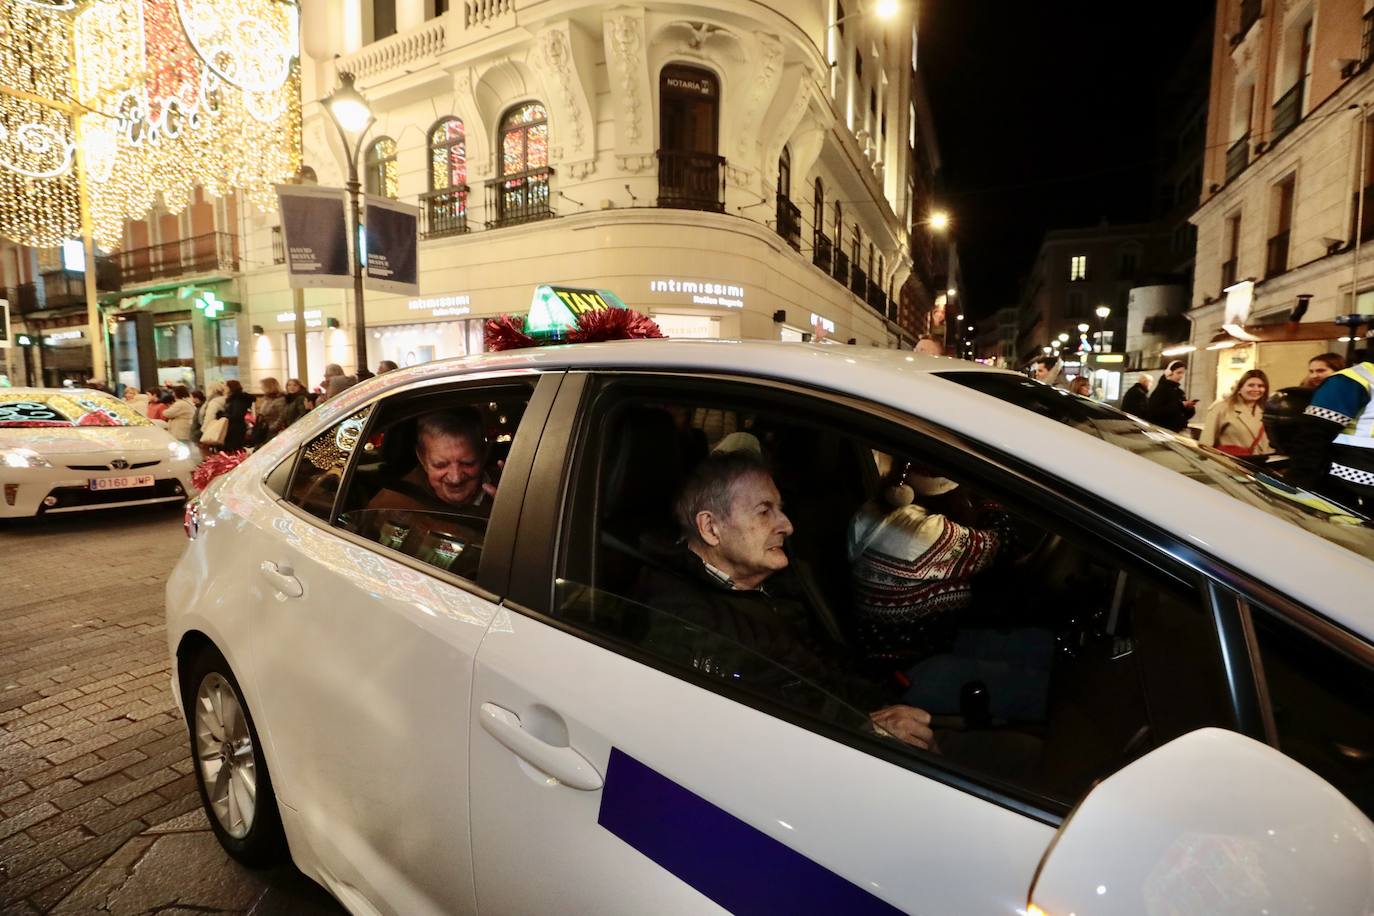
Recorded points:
(913, 553)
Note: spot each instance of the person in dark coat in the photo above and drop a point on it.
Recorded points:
(237, 404)
(1136, 400)
(1168, 407)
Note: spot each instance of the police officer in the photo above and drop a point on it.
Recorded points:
(1333, 445)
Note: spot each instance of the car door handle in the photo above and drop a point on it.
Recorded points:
(282, 578)
(562, 763)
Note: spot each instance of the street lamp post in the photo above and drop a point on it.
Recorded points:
(1102, 313)
(353, 118)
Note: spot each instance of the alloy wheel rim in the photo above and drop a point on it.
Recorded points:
(224, 753)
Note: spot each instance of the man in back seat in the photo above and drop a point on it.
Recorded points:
(731, 576)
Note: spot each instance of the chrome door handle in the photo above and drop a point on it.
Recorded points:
(562, 763)
(282, 579)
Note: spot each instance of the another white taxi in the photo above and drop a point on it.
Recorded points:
(74, 449)
(1154, 698)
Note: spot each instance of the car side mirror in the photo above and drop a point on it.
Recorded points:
(1212, 822)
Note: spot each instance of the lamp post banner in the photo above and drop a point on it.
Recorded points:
(391, 240)
(315, 236)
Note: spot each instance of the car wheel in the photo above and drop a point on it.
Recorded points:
(235, 787)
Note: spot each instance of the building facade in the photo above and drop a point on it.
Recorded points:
(1285, 211)
(731, 171)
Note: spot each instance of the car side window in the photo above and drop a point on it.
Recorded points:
(1046, 658)
(321, 463)
(1320, 698)
(428, 475)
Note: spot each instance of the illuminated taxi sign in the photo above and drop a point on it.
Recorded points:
(554, 309)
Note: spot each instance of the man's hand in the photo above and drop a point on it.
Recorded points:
(490, 488)
(907, 724)
(1192, 403)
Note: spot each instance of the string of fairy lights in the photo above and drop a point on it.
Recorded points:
(169, 95)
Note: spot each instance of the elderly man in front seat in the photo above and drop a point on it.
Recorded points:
(732, 577)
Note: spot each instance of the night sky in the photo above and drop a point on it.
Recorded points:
(1046, 119)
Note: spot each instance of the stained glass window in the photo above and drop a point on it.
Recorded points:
(448, 157)
(524, 139)
(380, 168)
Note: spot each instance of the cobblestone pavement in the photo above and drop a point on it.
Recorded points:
(98, 805)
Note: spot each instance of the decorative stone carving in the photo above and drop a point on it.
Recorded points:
(634, 164)
(701, 40)
(764, 85)
(558, 59)
(626, 39)
(580, 170)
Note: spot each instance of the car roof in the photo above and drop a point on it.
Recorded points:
(37, 391)
(1331, 578)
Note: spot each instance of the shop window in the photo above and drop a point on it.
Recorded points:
(227, 347)
(172, 342)
(380, 170)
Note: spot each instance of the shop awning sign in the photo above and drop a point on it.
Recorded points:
(391, 245)
(554, 309)
(315, 235)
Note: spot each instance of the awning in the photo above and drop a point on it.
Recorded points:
(1288, 332)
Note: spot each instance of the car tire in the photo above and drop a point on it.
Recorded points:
(231, 771)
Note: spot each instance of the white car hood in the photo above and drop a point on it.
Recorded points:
(85, 439)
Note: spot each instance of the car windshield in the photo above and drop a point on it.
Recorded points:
(38, 410)
(1265, 491)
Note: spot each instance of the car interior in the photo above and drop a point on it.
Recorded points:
(1112, 635)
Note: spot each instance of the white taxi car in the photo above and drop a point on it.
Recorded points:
(472, 703)
(74, 449)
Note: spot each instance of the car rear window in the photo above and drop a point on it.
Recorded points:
(47, 411)
(1317, 514)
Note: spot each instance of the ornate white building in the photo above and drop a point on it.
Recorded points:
(733, 169)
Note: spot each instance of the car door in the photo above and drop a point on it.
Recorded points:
(364, 658)
(612, 783)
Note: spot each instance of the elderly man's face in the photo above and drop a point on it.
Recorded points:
(749, 540)
(453, 467)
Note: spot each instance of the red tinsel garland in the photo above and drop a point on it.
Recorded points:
(217, 464)
(508, 333)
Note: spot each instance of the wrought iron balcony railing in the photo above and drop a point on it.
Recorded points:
(789, 222)
(841, 271)
(1276, 258)
(1288, 111)
(202, 254)
(823, 252)
(1228, 273)
(444, 212)
(691, 181)
(1238, 157)
(516, 199)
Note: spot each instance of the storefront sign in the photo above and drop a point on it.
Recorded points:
(59, 336)
(442, 306)
(702, 292)
(393, 233)
(315, 235)
(692, 326)
(313, 318)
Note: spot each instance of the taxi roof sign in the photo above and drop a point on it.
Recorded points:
(554, 309)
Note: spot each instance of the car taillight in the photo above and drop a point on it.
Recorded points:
(190, 519)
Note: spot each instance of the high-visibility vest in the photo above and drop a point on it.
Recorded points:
(1359, 432)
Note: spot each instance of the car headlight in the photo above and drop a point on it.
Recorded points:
(180, 450)
(22, 458)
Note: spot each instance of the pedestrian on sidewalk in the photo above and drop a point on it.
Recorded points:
(1235, 424)
(1136, 400)
(180, 414)
(1168, 406)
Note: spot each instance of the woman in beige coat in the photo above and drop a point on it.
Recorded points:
(1235, 424)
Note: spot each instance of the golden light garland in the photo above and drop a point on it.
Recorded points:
(173, 94)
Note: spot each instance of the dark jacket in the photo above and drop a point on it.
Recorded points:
(1136, 401)
(296, 407)
(773, 621)
(1166, 407)
(235, 410)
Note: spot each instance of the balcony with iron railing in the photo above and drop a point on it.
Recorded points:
(1288, 111)
(444, 212)
(691, 181)
(1228, 273)
(1367, 40)
(1249, 15)
(1238, 157)
(841, 267)
(789, 222)
(876, 298)
(858, 281)
(1276, 256)
(516, 199)
(823, 252)
(214, 252)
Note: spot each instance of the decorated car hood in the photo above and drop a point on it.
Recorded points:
(76, 440)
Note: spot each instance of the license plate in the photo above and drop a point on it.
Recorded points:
(121, 483)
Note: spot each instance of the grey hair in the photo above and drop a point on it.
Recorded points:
(463, 424)
(711, 486)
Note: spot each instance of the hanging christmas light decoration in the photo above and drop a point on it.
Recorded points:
(170, 95)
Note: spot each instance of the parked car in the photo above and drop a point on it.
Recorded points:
(477, 710)
(73, 449)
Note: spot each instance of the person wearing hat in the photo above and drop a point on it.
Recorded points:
(1168, 406)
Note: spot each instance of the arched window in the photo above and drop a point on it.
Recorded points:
(839, 228)
(448, 155)
(785, 173)
(818, 208)
(379, 167)
(524, 183)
